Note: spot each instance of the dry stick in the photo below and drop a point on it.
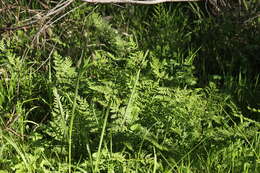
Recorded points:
(137, 2)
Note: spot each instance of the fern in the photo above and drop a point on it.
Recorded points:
(64, 72)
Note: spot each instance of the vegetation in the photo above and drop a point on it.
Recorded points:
(172, 87)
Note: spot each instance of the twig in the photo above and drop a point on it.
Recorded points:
(15, 28)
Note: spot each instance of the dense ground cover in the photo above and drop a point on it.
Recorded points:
(172, 87)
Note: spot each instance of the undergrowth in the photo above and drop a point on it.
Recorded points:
(101, 91)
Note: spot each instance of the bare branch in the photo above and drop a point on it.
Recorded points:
(149, 2)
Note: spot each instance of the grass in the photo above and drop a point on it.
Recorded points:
(96, 88)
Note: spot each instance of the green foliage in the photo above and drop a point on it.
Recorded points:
(139, 89)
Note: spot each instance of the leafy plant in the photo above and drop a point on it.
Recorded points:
(164, 88)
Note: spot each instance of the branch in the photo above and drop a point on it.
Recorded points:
(149, 2)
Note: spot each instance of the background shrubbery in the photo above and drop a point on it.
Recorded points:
(107, 88)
